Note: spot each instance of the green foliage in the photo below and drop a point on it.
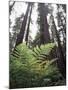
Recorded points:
(27, 71)
(42, 52)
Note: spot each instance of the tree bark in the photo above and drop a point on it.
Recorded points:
(27, 32)
(20, 36)
(44, 32)
(61, 61)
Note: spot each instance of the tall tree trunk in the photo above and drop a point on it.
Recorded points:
(27, 32)
(44, 33)
(61, 24)
(61, 62)
(20, 36)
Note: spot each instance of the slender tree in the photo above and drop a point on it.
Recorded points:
(15, 31)
(61, 61)
(11, 38)
(27, 32)
(20, 36)
(61, 18)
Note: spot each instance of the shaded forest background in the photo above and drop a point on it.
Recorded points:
(38, 61)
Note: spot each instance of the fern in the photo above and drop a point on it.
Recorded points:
(31, 68)
(42, 53)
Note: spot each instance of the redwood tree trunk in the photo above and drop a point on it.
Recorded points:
(20, 36)
(61, 61)
(27, 32)
(44, 32)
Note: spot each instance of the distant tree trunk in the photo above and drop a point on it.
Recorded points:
(44, 33)
(27, 32)
(20, 36)
(52, 34)
(61, 62)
